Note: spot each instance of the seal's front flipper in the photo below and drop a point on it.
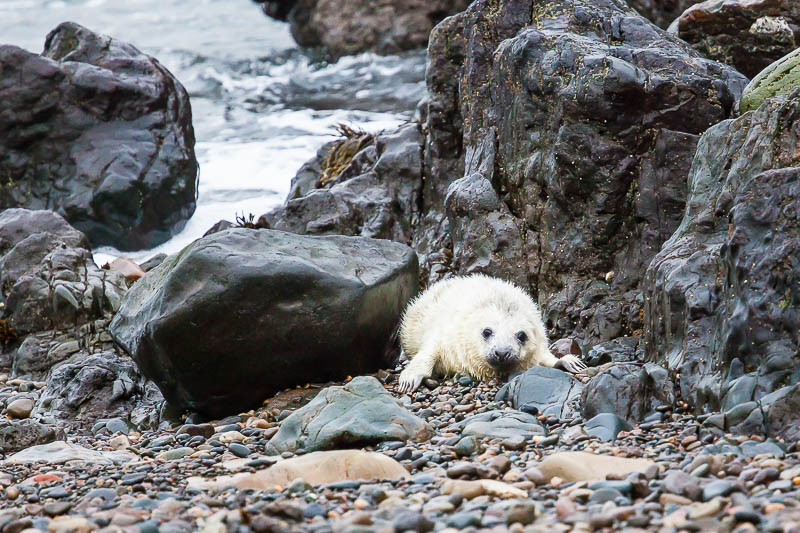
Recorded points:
(420, 367)
(571, 363)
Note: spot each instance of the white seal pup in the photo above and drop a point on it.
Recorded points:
(476, 325)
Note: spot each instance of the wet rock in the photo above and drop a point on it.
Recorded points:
(60, 452)
(502, 425)
(375, 195)
(620, 350)
(316, 468)
(606, 426)
(662, 12)
(543, 390)
(345, 27)
(87, 388)
(734, 341)
(48, 276)
(630, 391)
(362, 412)
(17, 435)
(746, 34)
(110, 146)
(273, 309)
(583, 466)
(781, 77)
(555, 180)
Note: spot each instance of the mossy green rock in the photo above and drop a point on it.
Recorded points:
(779, 78)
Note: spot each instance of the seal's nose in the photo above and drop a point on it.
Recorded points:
(502, 357)
(503, 353)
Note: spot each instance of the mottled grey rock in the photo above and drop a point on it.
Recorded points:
(273, 310)
(544, 390)
(723, 302)
(17, 435)
(357, 414)
(48, 276)
(629, 390)
(501, 425)
(89, 387)
(100, 133)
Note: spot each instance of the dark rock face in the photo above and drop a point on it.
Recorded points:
(575, 152)
(543, 390)
(661, 12)
(723, 302)
(556, 156)
(48, 278)
(746, 34)
(629, 391)
(90, 387)
(346, 27)
(244, 313)
(17, 435)
(100, 133)
(362, 412)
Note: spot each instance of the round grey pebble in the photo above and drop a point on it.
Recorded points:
(239, 450)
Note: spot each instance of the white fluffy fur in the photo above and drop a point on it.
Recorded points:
(441, 331)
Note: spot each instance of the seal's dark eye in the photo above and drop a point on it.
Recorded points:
(487, 333)
(522, 337)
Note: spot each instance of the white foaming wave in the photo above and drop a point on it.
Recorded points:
(367, 65)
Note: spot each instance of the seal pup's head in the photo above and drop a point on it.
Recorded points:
(506, 335)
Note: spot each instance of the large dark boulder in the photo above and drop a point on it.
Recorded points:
(346, 27)
(723, 298)
(243, 313)
(99, 132)
(48, 278)
(747, 34)
(558, 140)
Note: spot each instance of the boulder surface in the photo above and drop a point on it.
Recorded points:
(244, 313)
